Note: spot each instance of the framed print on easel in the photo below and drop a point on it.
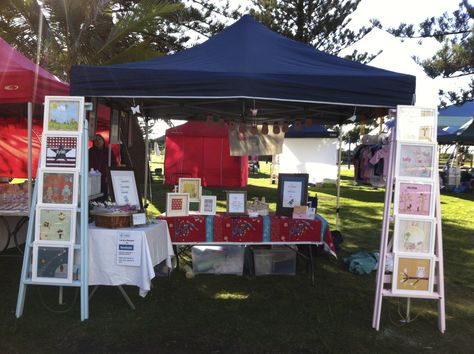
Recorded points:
(416, 161)
(414, 198)
(52, 264)
(58, 186)
(416, 124)
(55, 224)
(414, 235)
(61, 151)
(63, 114)
(413, 275)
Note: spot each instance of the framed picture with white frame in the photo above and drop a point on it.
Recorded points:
(414, 235)
(55, 225)
(414, 198)
(416, 124)
(192, 186)
(208, 204)
(58, 186)
(413, 274)
(177, 204)
(416, 161)
(61, 150)
(52, 263)
(63, 114)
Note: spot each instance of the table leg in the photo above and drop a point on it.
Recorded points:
(311, 264)
(7, 227)
(121, 289)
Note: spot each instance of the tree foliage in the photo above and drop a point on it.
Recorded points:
(456, 57)
(61, 33)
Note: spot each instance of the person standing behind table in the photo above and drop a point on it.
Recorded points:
(98, 160)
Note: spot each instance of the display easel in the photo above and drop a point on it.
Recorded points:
(385, 282)
(81, 243)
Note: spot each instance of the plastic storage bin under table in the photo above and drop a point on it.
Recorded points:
(278, 261)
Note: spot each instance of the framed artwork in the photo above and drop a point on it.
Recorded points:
(58, 187)
(416, 161)
(192, 186)
(416, 124)
(413, 275)
(124, 187)
(55, 224)
(177, 204)
(414, 235)
(292, 191)
(207, 206)
(63, 151)
(412, 198)
(63, 114)
(52, 264)
(236, 202)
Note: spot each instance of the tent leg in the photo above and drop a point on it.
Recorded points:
(338, 183)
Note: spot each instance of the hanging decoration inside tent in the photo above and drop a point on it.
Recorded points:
(265, 128)
(276, 128)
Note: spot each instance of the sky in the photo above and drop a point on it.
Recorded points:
(391, 13)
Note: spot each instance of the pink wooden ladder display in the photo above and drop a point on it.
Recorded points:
(434, 277)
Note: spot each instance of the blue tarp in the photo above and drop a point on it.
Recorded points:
(244, 65)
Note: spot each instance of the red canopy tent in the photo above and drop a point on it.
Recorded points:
(196, 149)
(23, 86)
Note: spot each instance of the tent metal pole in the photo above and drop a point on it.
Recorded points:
(30, 151)
(147, 162)
(338, 182)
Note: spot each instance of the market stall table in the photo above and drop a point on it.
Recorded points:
(103, 244)
(17, 212)
(222, 229)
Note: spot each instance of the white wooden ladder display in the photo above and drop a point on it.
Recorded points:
(80, 246)
(426, 263)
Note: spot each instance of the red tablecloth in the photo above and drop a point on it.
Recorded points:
(221, 228)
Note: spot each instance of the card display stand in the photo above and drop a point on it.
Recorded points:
(53, 255)
(415, 245)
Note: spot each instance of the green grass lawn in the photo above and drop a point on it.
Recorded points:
(267, 314)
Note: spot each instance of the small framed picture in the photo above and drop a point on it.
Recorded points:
(177, 204)
(236, 202)
(63, 114)
(61, 150)
(292, 191)
(192, 186)
(414, 235)
(52, 264)
(416, 124)
(124, 187)
(414, 198)
(415, 161)
(413, 275)
(58, 186)
(55, 224)
(207, 206)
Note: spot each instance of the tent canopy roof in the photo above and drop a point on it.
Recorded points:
(464, 135)
(315, 131)
(23, 81)
(248, 66)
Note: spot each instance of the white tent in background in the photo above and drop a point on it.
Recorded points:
(311, 150)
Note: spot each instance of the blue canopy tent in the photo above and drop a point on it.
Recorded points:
(248, 66)
(248, 73)
(465, 134)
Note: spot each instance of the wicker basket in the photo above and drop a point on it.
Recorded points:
(113, 220)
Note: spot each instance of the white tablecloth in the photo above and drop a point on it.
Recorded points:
(103, 268)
